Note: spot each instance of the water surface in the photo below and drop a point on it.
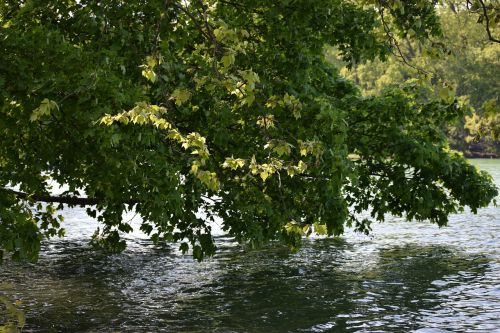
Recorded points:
(405, 276)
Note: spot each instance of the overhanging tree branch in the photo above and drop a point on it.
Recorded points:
(69, 200)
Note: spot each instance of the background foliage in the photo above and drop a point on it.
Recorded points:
(461, 62)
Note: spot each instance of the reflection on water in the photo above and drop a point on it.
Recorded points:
(404, 277)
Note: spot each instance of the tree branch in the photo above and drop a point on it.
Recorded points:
(195, 21)
(488, 31)
(69, 200)
(394, 42)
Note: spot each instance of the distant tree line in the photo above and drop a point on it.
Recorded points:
(462, 63)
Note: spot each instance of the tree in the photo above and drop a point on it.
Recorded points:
(228, 108)
(461, 62)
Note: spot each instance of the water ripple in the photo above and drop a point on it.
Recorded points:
(405, 277)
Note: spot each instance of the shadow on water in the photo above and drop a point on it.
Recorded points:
(329, 285)
(313, 292)
(73, 288)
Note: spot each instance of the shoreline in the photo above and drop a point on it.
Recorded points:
(480, 155)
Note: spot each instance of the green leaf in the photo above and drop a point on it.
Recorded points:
(180, 96)
(228, 60)
(184, 247)
(149, 74)
(320, 229)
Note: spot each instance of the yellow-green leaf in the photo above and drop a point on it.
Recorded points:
(149, 74)
(180, 96)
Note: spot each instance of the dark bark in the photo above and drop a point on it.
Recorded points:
(69, 200)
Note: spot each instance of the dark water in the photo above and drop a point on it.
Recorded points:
(404, 277)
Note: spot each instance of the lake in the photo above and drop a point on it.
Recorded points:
(405, 276)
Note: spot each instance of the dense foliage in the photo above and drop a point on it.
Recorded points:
(226, 108)
(462, 62)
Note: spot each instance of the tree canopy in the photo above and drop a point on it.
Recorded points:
(227, 108)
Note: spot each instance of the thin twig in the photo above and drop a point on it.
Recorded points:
(400, 56)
